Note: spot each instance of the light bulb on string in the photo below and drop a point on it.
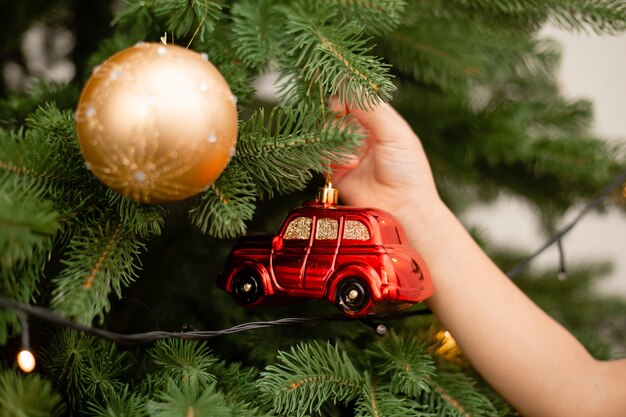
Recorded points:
(446, 347)
(25, 359)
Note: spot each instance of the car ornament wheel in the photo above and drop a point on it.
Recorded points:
(247, 288)
(352, 296)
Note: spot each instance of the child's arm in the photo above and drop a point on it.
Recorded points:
(531, 360)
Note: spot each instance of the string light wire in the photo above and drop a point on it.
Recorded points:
(592, 204)
(371, 321)
(141, 338)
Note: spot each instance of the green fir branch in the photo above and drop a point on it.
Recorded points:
(189, 18)
(404, 359)
(28, 396)
(46, 151)
(307, 376)
(109, 47)
(136, 16)
(140, 219)
(120, 404)
(544, 158)
(378, 401)
(84, 368)
(15, 108)
(455, 56)
(45, 159)
(239, 387)
(183, 362)
(454, 394)
(601, 16)
(376, 16)
(510, 15)
(101, 261)
(55, 131)
(27, 230)
(220, 49)
(183, 401)
(27, 226)
(224, 208)
(283, 150)
(37, 168)
(255, 37)
(329, 57)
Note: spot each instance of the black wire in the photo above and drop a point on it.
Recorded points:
(141, 338)
(25, 334)
(595, 202)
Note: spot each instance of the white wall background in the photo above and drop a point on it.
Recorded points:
(593, 67)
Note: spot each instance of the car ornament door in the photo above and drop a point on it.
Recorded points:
(323, 254)
(288, 261)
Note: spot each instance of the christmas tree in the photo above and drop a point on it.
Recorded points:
(473, 79)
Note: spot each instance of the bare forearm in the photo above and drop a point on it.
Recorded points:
(532, 361)
(526, 356)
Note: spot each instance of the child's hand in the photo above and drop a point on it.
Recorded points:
(529, 358)
(391, 172)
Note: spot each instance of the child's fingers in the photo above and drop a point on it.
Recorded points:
(385, 125)
(348, 162)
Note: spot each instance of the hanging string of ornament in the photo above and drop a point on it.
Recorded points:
(27, 362)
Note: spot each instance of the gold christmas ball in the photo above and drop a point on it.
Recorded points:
(157, 123)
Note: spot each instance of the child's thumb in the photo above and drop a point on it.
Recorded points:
(384, 124)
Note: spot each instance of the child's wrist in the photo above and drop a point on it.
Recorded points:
(423, 218)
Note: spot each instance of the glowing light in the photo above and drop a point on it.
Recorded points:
(26, 361)
(447, 347)
(447, 341)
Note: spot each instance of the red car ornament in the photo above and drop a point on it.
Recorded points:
(356, 258)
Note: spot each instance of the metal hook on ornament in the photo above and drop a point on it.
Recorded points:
(327, 195)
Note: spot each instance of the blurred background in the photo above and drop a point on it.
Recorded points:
(592, 67)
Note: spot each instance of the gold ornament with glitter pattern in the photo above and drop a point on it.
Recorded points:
(157, 123)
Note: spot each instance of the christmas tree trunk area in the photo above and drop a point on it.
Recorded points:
(472, 78)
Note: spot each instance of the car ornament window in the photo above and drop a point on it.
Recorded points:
(355, 230)
(299, 228)
(327, 229)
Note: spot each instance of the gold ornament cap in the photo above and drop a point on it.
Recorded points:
(327, 195)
